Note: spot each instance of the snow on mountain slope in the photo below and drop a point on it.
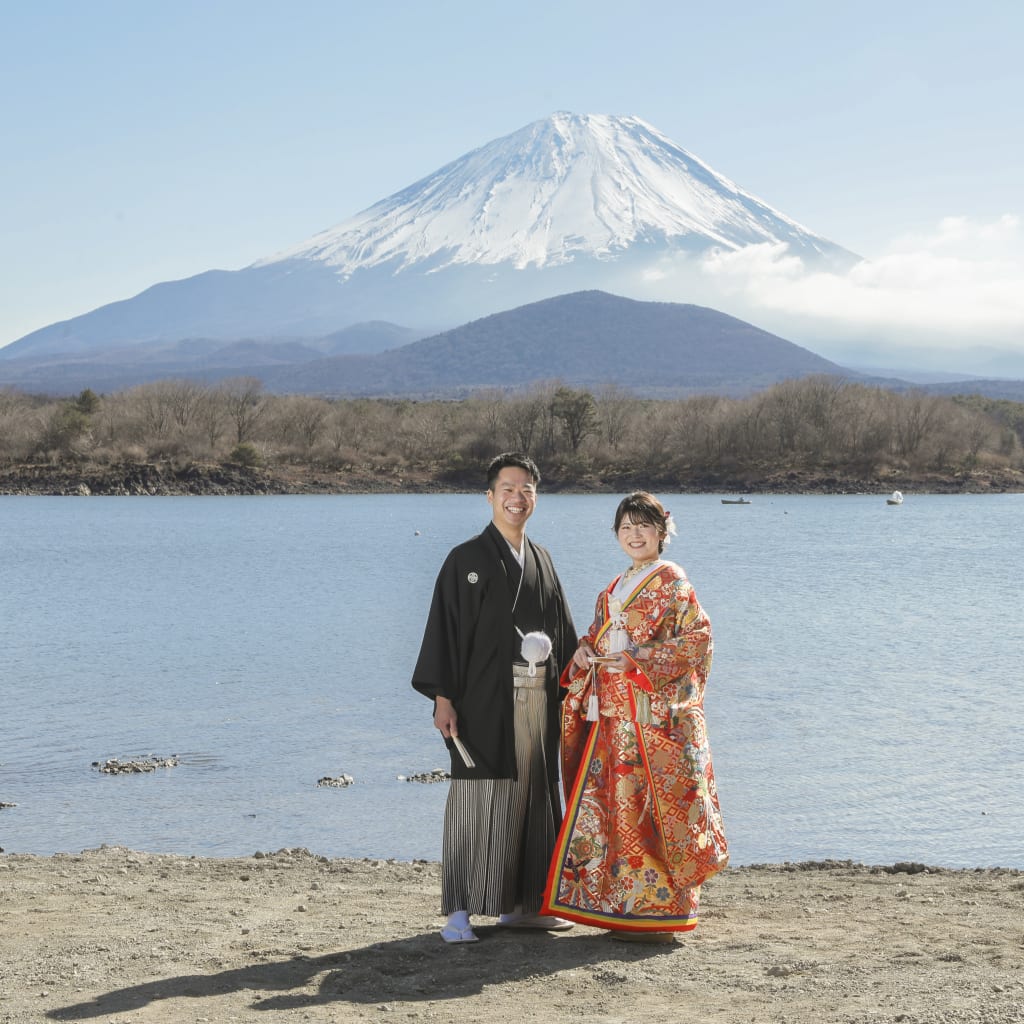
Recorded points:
(567, 204)
(569, 185)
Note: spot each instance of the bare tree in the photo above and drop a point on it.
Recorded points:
(302, 420)
(820, 398)
(11, 401)
(211, 416)
(615, 411)
(184, 398)
(423, 432)
(21, 424)
(749, 430)
(695, 429)
(523, 420)
(977, 430)
(913, 416)
(863, 426)
(366, 426)
(653, 446)
(245, 405)
(491, 404)
(152, 404)
(546, 442)
(784, 417)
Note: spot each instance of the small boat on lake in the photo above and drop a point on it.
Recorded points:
(735, 501)
(896, 498)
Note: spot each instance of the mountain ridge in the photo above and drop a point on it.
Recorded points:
(568, 203)
(584, 339)
(587, 340)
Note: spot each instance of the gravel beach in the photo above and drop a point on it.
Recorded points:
(123, 937)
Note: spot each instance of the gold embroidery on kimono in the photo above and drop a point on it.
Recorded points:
(643, 827)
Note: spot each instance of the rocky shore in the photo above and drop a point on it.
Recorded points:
(124, 937)
(168, 478)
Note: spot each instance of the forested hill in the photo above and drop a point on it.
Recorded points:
(585, 340)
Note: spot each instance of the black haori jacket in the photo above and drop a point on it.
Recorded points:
(469, 645)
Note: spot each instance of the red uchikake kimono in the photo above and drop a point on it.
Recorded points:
(643, 827)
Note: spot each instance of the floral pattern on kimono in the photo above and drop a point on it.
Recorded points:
(643, 827)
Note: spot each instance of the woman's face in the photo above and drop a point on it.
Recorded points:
(639, 540)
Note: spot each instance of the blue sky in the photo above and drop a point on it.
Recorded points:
(144, 141)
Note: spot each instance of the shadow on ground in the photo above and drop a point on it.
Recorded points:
(421, 967)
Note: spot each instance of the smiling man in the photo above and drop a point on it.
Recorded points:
(498, 635)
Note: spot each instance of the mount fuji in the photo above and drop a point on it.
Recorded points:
(568, 203)
(563, 189)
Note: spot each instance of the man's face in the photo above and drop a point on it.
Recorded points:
(513, 498)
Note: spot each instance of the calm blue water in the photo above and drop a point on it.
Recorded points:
(864, 701)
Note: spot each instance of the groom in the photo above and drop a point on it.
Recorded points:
(503, 809)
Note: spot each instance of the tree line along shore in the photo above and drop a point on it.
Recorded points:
(813, 435)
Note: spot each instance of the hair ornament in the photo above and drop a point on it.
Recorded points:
(670, 527)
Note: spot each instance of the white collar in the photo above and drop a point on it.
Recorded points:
(521, 553)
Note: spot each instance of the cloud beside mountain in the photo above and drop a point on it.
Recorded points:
(584, 202)
(954, 294)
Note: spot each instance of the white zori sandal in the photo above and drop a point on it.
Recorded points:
(458, 928)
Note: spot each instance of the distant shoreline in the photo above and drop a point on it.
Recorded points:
(168, 479)
(302, 853)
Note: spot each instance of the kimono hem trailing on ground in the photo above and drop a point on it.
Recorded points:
(642, 828)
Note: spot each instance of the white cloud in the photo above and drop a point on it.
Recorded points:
(961, 284)
(962, 233)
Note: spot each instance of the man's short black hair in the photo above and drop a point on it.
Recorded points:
(506, 459)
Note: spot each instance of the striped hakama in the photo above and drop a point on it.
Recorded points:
(499, 833)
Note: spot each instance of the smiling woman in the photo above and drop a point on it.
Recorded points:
(642, 541)
(643, 829)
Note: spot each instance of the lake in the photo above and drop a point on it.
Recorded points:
(864, 701)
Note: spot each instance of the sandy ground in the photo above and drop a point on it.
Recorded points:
(117, 936)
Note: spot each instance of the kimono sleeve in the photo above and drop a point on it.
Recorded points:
(437, 671)
(677, 660)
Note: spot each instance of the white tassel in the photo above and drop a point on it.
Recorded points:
(593, 709)
(536, 649)
(643, 708)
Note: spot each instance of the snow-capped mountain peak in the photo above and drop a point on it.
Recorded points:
(567, 204)
(567, 186)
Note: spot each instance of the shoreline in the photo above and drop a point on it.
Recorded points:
(172, 480)
(113, 934)
(903, 867)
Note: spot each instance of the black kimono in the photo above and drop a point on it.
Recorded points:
(470, 643)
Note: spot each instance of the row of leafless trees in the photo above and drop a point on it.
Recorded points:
(816, 422)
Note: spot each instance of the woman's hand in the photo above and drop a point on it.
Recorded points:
(584, 654)
(619, 662)
(446, 721)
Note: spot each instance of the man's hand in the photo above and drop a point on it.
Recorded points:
(446, 721)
